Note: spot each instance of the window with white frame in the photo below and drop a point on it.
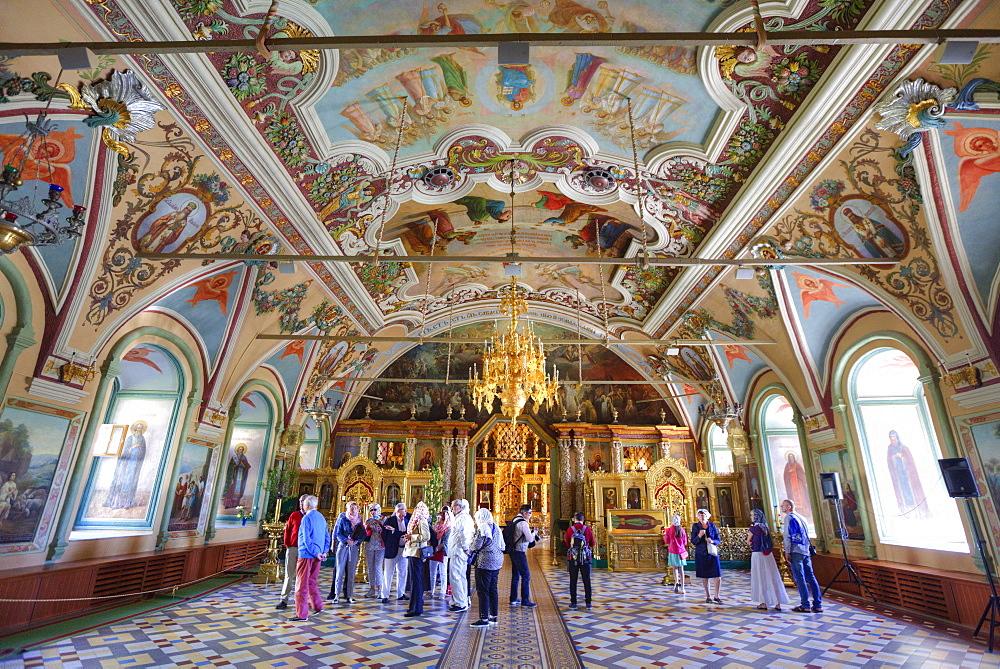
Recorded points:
(720, 456)
(900, 453)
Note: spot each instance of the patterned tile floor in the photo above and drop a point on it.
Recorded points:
(635, 623)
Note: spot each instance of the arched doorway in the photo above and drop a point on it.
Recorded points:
(512, 468)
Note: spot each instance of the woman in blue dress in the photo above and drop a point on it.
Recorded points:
(707, 566)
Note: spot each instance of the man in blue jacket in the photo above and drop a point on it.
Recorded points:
(314, 545)
(393, 531)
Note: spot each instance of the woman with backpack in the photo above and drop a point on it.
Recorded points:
(487, 557)
(766, 585)
(580, 551)
(676, 540)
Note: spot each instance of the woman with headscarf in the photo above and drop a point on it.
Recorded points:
(676, 540)
(488, 546)
(706, 540)
(439, 561)
(418, 533)
(766, 585)
(374, 550)
(349, 533)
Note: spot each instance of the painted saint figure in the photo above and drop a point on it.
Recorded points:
(905, 480)
(167, 229)
(237, 472)
(796, 487)
(125, 481)
(8, 493)
(879, 241)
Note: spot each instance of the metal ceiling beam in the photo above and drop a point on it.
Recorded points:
(689, 39)
(570, 382)
(588, 260)
(479, 340)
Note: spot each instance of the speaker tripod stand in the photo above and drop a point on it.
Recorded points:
(992, 610)
(852, 575)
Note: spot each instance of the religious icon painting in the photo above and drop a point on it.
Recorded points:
(837, 460)
(980, 436)
(241, 472)
(416, 495)
(38, 444)
(122, 488)
(868, 229)
(515, 85)
(392, 495)
(610, 498)
(702, 500)
(171, 222)
(696, 365)
(727, 510)
(788, 475)
(192, 486)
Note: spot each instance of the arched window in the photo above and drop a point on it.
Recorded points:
(126, 478)
(246, 458)
(312, 445)
(783, 456)
(720, 456)
(900, 452)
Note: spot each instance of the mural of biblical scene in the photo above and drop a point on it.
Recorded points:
(868, 229)
(449, 87)
(598, 458)
(344, 448)
(146, 398)
(911, 502)
(192, 485)
(970, 151)
(593, 402)
(727, 510)
(987, 437)
(548, 223)
(752, 478)
(788, 476)
(62, 159)
(243, 463)
(702, 500)
(36, 442)
(852, 504)
(534, 492)
(609, 498)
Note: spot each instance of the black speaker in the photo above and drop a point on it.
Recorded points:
(829, 482)
(958, 477)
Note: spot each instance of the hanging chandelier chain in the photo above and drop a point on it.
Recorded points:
(388, 180)
(639, 190)
(427, 286)
(513, 231)
(600, 273)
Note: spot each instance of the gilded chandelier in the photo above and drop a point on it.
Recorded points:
(513, 364)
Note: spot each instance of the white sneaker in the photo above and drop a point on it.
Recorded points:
(335, 600)
(351, 600)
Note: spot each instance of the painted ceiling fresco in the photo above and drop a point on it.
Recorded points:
(706, 124)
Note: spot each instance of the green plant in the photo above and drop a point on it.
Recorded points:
(435, 494)
(281, 481)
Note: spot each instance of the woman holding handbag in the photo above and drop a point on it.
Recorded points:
(349, 533)
(416, 550)
(676, 540)
(706, 540)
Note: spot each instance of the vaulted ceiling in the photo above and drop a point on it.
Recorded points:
(336, 152)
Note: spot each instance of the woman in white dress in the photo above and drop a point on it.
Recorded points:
(766, 585)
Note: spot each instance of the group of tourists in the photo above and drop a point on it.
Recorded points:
(435, 557)
(766, 586)
(427, 557)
